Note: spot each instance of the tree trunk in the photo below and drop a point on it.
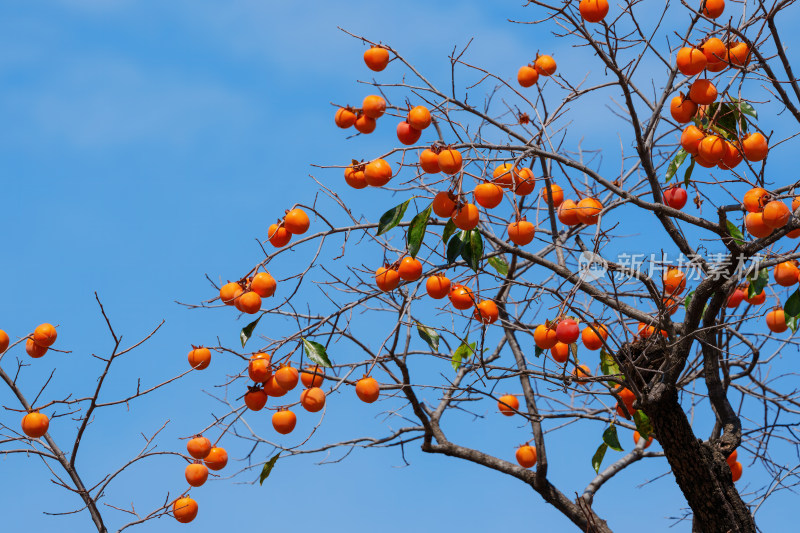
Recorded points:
(701, 472)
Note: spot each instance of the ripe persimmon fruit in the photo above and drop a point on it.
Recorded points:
(255, 399)
(196, 474)
(776, 321)
(378, 173)
(558, 194)
(755, 200)
(34, 350)
(486, 312)
(296, 221)
(287, 377)
(637, 436)
(367, 389)
(567, 331)
(526, 455)
(488, 195)
(365, 124)
(45, 335)
(527, 76)
(216, 459)
(682, 109)
(786, 274)
(419, 117)
(593, 339)
(376, 58)
(560, 352)
(703, 92)
(373, 106)
(344, 118)
(35, 424)
(588, 210)
(312, 399)
(466, 217)
(437, 286)
(545, 337)
(249, 302)
(521, 232)
(508, 404)
(755, 147)
(312, 376)
(272, 388)
(593, 10)
(278, 235)
(198, 447)
(410, 269)
(713, 8)
(545, 65)
(387, 279)
(184, 510)
(263, 284)
(450, 161)
(4, 341)
(691, 137)
(461, 297)
(504, 175)
(200, 358)
(775, 214)
(429, 161)
(444, 204)
(691, 61)
(258, 368)
(354, 176)
(675, 197)
(407, 134)
(568, 213)
(674, 281)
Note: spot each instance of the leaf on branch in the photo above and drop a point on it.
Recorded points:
(472, 252)
(247, 331)
(429, 336)
(607, 364)
(688, 300)
(449, 229)
(462, 353)
(643, 425)
(392, 217)
(265, 472)
(757, 283)
(611, 439)
(745, 108)
(688, 174)
(735, 232)
(792, 306)
(597, 458)
(538, 351)
(454, 247)
(416, 231)
(676, 163)
(316, 352)
(498, 262)
(791, 321)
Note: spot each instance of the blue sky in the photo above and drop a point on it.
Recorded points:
(147, 144)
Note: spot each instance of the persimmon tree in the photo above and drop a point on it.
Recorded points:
(498, 259)
(499, 278)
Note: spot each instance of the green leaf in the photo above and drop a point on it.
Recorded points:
(538, 351)
(597, 458)
(746, 108)
(676, 163)
(316, 352)
(611, 439)
(607, 364)
(454, 247)
(449, 229)
(416, 231)
(791, 321)
(247, 331)
(573, 348)
(688, 174)
(392, 217)
(498, 262)
(643, 425)
(462, 353)
(472, 252)
(265, 472)
(688, 300)
(735, 232)
(429, 336)
(757, 283)
(792, 305)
